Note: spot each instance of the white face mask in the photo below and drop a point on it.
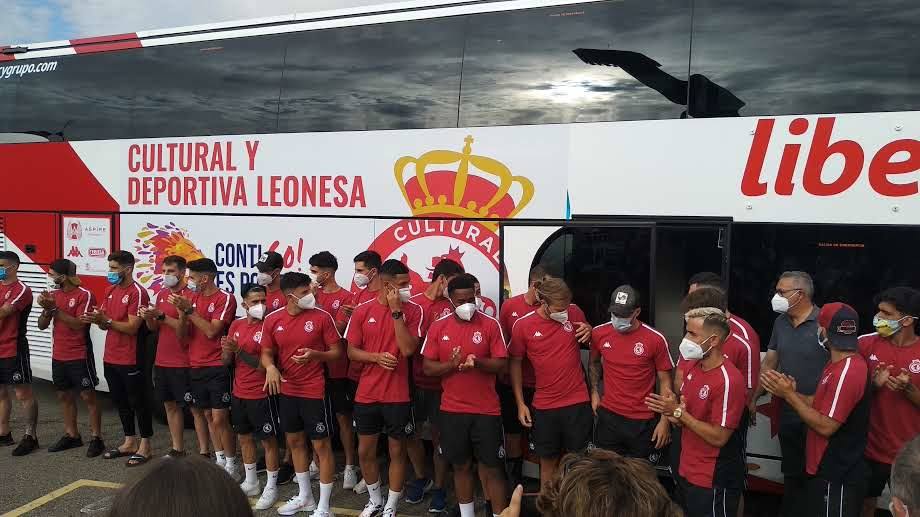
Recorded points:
(361, 279)
(405, 293)
(263, 279)
(192, 286)
(314, 277)
(466, 311)
(480, 304)
(692, 351)
(780, 304)
(257, 311)
(170, 281)
(308, 301)
(561, 317)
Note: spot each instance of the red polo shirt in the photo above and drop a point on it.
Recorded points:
(171, 353)
(19, 296)
(119, 303)
(248, 382)
(433, 310)
(286, 334)
(331, 302)
(513, 309)
(70, 344)
(204, 352)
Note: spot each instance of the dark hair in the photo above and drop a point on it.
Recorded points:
(537, 272)
(393, 267)
(705, 278)
(475, 280)
(251, 288)
(188, 486)
(203, 265)
(707, 296)
(324, 259)
(462, 281)
(370, 258)
(11, 256)
(906, 300)
(292, 280)
(64, 267)
(175, 260)
(122, 257)
(446, 268)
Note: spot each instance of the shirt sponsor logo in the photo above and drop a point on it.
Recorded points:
(477, 337)
(914, 366)
(280, 328)
(538, 334)
(514, 315)
(704, 392)
(308, 326)
(639, 349)
(445, 338)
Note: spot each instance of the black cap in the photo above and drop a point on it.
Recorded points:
(842, 325)
(624, 301)
(270, 261)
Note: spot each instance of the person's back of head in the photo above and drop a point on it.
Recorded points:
(601, 483)
(905, 480)
(182, 487)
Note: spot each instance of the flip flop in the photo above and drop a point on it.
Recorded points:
(115, 453)
(136, 460)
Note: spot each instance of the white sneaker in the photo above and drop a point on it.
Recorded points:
(314, 471)
(251, 490)
(361, 487)
(321, 513)
(371, 510)
(268, 498)
(350, 478)
(234, 473)
(295, 505)
(221, 462)
(389, 512)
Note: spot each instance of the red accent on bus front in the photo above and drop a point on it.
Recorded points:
(105, 43)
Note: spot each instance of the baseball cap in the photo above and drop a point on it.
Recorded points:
(624, 301)
(270, 261)
(841, 323)
(66, 268)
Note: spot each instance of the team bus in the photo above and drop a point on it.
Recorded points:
(619, 141)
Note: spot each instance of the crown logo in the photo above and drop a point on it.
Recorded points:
(448, 183)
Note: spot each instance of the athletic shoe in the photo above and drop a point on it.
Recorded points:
(251, 490)
(26, 445)
(296, 504)
(66, 442)
(416, 490)
(267, 499)
(321, 513)
(388, 512)
(220, 462)
(438, 502)
(285, 473)
(234, 473)
(96, 447)
(372, 510)
(361, 487)
(7, 440)
(314, 471)
(350, 477)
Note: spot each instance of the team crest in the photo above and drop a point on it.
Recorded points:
(85, 382)
(914, 366)
(225, 397)
(275, 303)
(409, 428)
(187, 397)
(567, 326)
(501, 452)
(17, 376)
(72, 302)
(639, 349)
(124, 299)
(704, 392)
(257, 337)
(653, 457)
(477, 337)
(336, 304)
(308, 326)
(267, 428)
(211, 307)
(320, 427)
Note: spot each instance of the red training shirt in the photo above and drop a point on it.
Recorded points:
(744, 329)
(470, 391)
(70, 344)
(220, 305)
(285, 334)
(358, 297)
(274, 300)
(331, 302)
(248, 382)
(119, 303)
(372, 329)
(513, 309)
(433, 310)
(631, 362)
(841, 388)
(744, 356)
(13, 326)
(556, 357)
(171, 353)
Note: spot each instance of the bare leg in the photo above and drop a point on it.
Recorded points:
(463, 482)
(29, 408)
(221, 418)
(347, 435)
(95, 415)
(323, 449)
(548, 468)
(367, 455)
(69, 412)
(397, 471)
(415, 449)
(271, 454)
(496, 487)
(248, 449)
(297, 444)
(6, 408)
(201, 429)
(176, 421)
(216, 437)
(869, 504)
(440, 465)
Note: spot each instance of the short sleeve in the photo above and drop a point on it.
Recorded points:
(728, 405)
(135, 300)
(227, 311)
(504, 314)
(774, 340)
(330, 333)
(415, 321)
(518, 340)
(89, 302)
(267, 339)
(497, 347)
(340, 317)
(576, 315)
(865, 346)
(23, 298)
(849, 390)
(430, 346)
(354, 334)
(663, 362)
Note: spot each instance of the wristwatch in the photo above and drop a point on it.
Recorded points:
(161, 317)
(677, 412)
(397, 314)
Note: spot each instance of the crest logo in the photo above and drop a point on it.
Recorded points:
(17, 377)
(477, 337)
(336, 304)
(74, 231)
(567, 326)
(409, 428)
(704, 392)
(72, 302)
(320, 427)
(914, 366)
(187, 397)
(501, 451)
(211, 307)
(267, 428)
(257, 337)
(225, 397)
(639, 349)
(85, 382)
(308, 326)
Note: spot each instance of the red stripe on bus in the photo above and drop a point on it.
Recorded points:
(105, 43)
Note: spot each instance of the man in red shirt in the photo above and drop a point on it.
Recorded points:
(893, 357)
(296, 341)
(712, 399)
(383, 333)
(330, 297)
(627, 356)
(252, 412)
(203, 320)
(15, 369)
(837, 417)
(466, 349)
(548, 337)
(73, 368)
(269, 269)
(367, 282)
(426, 397)
(123, 361)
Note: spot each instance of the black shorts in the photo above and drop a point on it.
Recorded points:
(172, 385)
(469, 435)
(79, 375)
(879, 476)
(210, 387)
(510, 420)
(792, 447)
(710, 502)
(15, 370)
(625, 436)
(341, 393)
(426, 406)
(838, 499)
(314, 416)
(393, 419)
(254, 416)
(565, 429)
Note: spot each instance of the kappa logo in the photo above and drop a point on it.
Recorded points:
(225, 397)
(477, 337)
(445, 338)
(72, 302)
(873, 357)
(85, 382)
(280, 328)
(538, 334)
(124, 299)
(514, 314)
(704, 392)
(372, 320)
(606, 345)
(914, 366)
(236, 335)
(567, 326)
(639, 349)
(211, 307)
(257, 337)
(320, 427)
(187, 397)
(689, 376)
(267, 428)
(308, 326)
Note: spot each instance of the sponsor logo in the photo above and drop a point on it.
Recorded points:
(621, 298)
(704, 392)
(445, 338)
(74, 231)
(267, 428)
(308, 326)
(538, 334)
(514, 314)
(280, 328)
(97, 252)
(873, 357)
(320, 427)
(606, 344)
(477, 337)
(156, 242)
(74, 252)
(914, 366)
(372, 320)
(567, 326)
(72, 302)
(639, 349)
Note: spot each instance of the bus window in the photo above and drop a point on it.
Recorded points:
(520, 67)
(388, 76)
(209, 87)
(785, 58)
(7, 96)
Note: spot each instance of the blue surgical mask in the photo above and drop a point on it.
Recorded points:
(2, 273)
(113, 277)
(621, 324)
(192, 286)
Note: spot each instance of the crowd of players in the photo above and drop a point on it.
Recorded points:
(311, 358)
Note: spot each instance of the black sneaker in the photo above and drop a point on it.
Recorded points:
(7, 440)
(26, 445)
(66, 442)
(96, 447)
(285, 473)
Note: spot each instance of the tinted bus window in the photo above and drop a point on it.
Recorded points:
(520, 68)
(7, 95)
(80, 97)
(389, 76)
(792, 57)
(210, 87)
